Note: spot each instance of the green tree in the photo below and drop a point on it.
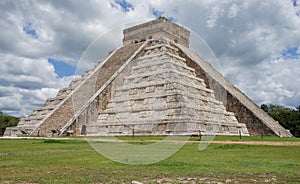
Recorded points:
(264, 107)
(7, 121)
(289, 118)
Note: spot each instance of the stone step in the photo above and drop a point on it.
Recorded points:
(10, 132)
(118, 58)
(77, 81)
(41, 113)
(164, 74)
(65, 91)
(158, 121)
(21, 122)
(60, 118)
(182, 97)
(45, 108)
(162, 86)
(144, 117)
(86, 73)
(53, 102)
(154, 64)
(169, 106)
(166, 110)
(172, 84)
(32, 117)
(163, 56)
(167, 96)
(174, 126)
(161, 47)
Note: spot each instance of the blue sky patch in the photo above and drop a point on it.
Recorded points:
(290, 53)
(295, 3)
(126, 7)
(158, 14)
(27, 28)
(61, 68)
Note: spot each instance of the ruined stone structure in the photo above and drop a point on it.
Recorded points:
(152, 85)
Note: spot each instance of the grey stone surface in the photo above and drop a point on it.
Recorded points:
(153, 87)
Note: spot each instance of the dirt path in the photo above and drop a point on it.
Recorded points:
(267, 143)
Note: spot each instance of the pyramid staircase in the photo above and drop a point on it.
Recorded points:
(28, 124)
(48, 120)
(160, 96)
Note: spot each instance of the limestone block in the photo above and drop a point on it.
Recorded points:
(150, 89)
(159, 128)
(233, 130)
(245, 130)
(111, 118)
(133, 92)
(103, 117)
(122, 115)
(115, 129)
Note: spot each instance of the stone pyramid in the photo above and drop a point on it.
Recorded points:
(152, 85)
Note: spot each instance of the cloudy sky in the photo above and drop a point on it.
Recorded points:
(42, 43)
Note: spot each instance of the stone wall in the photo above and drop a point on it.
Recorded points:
(255, 126)
(157, 29)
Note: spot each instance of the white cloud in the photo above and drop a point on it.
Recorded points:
(233, 11)
(26, 83)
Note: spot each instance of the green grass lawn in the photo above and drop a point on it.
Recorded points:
(74, 161)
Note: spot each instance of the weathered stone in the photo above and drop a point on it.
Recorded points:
(156, 86)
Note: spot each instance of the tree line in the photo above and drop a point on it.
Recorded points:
(7, 121)
(289, 118)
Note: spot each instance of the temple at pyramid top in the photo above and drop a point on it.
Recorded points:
(156, 29)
